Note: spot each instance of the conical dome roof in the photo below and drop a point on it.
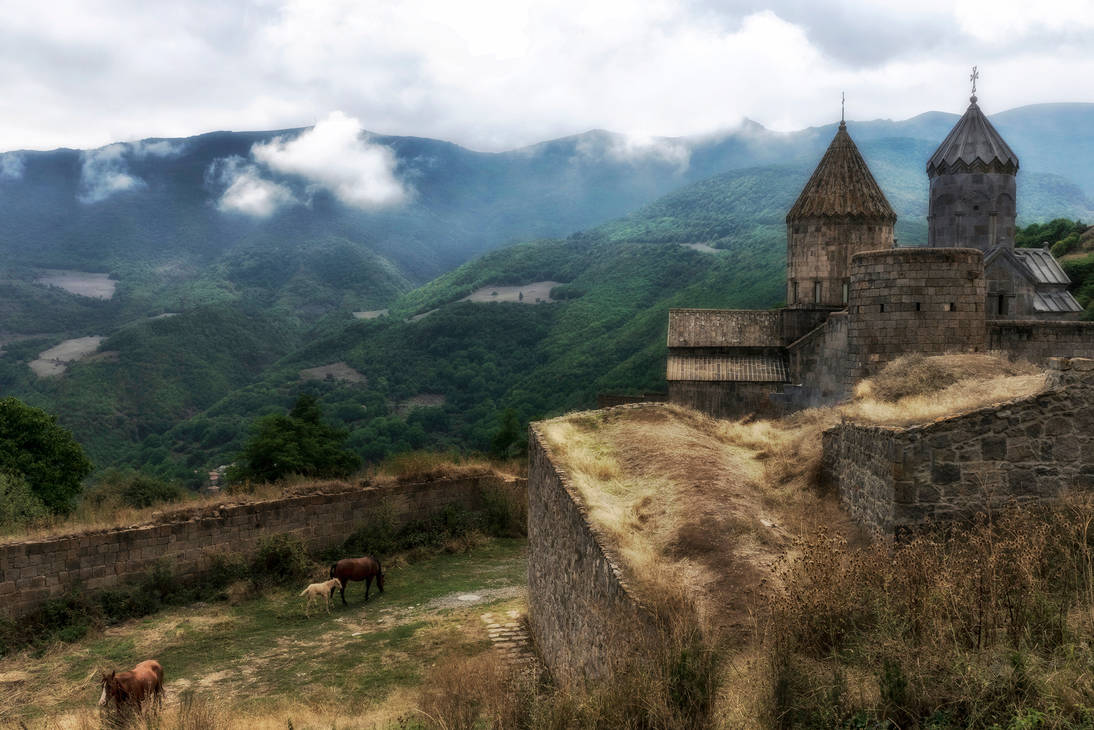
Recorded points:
(973, 145)
(842, 185)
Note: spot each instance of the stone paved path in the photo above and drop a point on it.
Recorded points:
(511, 639)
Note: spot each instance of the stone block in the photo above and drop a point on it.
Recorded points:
(945, 473)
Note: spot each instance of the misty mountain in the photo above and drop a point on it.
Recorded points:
(239, 259)
(161, 200)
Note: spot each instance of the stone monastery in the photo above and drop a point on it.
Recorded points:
(856, 301)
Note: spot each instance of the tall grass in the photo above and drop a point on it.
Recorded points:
(988, 625)
(670, 683)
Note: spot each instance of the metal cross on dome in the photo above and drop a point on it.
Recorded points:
(973, 77)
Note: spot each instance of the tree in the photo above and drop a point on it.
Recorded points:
(510, 439)
(296, 443)
(42, 453)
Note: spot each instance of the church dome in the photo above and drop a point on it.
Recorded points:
(973, 145)
(842, 185)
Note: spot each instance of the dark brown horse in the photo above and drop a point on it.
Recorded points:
(365, 569)
(130, 689)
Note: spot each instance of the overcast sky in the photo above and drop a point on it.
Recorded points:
(501, 74)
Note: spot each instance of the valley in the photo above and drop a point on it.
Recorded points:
(210, 319)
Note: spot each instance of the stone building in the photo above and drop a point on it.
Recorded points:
(855, 301)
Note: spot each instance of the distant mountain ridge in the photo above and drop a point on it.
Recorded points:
(467, 202)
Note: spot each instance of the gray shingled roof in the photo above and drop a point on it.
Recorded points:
(1042, 266)
(759, 367)
(842, 185)
(1058, 301)
(973, 143)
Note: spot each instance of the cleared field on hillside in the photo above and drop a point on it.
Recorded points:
(538, 292)
(54, 361)
(80, 283)
(261, 663)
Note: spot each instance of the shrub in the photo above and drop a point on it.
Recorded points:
(280, 559)
(18, 505)
(116, 488)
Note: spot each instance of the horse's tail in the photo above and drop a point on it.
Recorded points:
(332, 567)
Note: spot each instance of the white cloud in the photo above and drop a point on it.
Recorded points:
(159, 148)
(246, 191)
(335, 155)
(104, 172)
(11, 166)
(634, 148)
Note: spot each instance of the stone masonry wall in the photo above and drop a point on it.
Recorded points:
(1031, 449)
(32, 572)
(928, 301)
(1038, 341)
(818, 256)
(818, 365)
(580, 608)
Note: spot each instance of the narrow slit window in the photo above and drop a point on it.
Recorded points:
(881, 308)
(846, 292)
(917, 306)
(816, 291)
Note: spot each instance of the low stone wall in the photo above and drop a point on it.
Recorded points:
(33, 572)
(579, 606)
(1039, 448)
(1037, 341)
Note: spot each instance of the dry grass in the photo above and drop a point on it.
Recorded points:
(918, 389)
(687, 500)
(728, 509)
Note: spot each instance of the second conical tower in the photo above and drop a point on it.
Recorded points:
(840, 212)
(972, 197)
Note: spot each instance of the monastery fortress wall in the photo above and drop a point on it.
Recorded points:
(34, 571)
(894, 480)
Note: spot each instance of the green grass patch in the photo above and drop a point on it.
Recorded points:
(263, 651)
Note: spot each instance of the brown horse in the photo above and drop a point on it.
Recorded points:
(129, 689)
(365, 569)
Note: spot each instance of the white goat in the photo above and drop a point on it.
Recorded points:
(320, 590)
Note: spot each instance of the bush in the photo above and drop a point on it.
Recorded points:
(281, 559)
(18, 505)
(116, 488)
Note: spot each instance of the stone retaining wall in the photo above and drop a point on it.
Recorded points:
(581, 610)
(32, 572)
(1037, 341)
(1038, 448)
